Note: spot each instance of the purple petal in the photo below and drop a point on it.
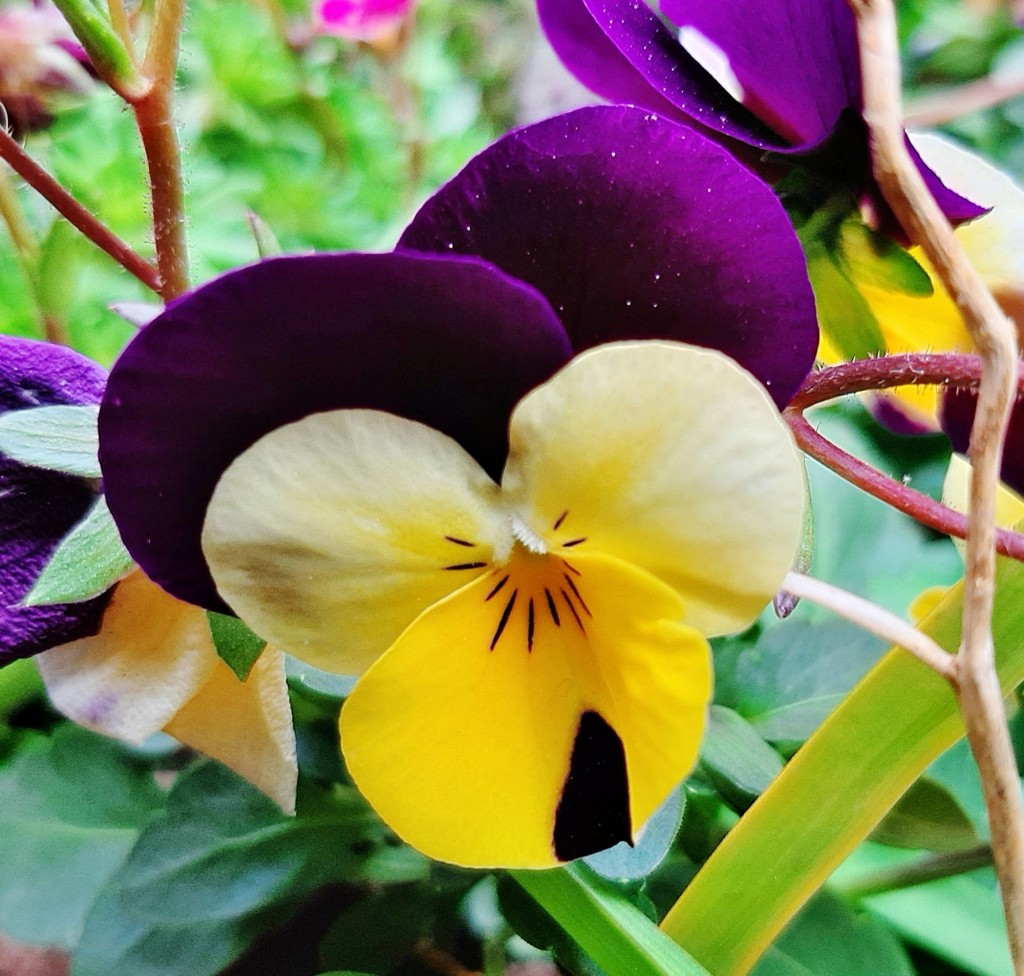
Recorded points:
(37, 508)
(796, 60)
(450, 342)
(635, 227)
(956, 207)
(957, 416)
(623, 52)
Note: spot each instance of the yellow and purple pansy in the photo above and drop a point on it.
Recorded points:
(499, 481)
(777, 75)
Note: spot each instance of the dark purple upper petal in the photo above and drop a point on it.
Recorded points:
(795, 59)
(636, 228)
(957, 416)
(37, 508)
(450, 342)
(622, 51)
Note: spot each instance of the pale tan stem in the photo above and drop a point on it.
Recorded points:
(872, 618)
(939, 107)
(993, 334)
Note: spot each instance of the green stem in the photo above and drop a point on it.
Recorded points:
(109, 55)
(931, 867)
(612, 931)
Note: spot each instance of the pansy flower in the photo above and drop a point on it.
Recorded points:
(400, 466)
(776, 75)
(133, 660)
(372, 21)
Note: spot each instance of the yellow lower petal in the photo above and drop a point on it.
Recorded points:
(246, 725)
(151, 655)
(462, 735)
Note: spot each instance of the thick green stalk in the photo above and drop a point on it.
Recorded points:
(835, 790)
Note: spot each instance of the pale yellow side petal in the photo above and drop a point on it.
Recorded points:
(331, 534)
(152, 654)
(669, 457)
(995, 241)
(465, 736)
(246, 725)
(956, 492)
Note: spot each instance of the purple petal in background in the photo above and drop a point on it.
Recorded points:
(957, 415)
(623, 52)
(450, 342)
(37, 508)
(795, 59)
(636, 228)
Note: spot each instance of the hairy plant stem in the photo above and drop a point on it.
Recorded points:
(872, 618)
(155, 119)
(920, 507)
(77, 215)
(994, 336)
(930, 867)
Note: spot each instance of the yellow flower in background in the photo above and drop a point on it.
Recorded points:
(535, 670)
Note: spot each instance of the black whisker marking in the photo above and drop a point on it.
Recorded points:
(529, 627)
(559, 520)
(574, 542)
(569, 566)
(576, 593)
(552, 607)
(576, 616)
(467, 566)
(505, 614)
(494, 592)
(460, 542)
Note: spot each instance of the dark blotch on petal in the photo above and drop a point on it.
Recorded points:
(38, 508)
(635, 227)
(450, 342)
(593, 813)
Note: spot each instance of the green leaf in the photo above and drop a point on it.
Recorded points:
(71, 807)
(267, 243)
(58, 438)
(836, 789)
(735, 759)
(106, 52)
(874, 259)
(239, 648)
(959, 919)
(90, 560)
(321, 686)
(632, 861)
(613, 932)
(927, 818)
(828, 939)
(843, 314)
(224, 865)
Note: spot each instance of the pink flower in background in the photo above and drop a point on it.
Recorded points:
(362, 20)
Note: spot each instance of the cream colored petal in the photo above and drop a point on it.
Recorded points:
(956, 491)
(995, 241)
(669, 457)
(152, 654)
(246, 725)
(331, 534)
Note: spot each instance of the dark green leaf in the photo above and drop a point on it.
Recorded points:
(224, 865)
(625, 861)
(828, 938)
(71, 807)
(927, 817)
(58, 438)
(239, 648)
(737, 761)
(90, 560)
